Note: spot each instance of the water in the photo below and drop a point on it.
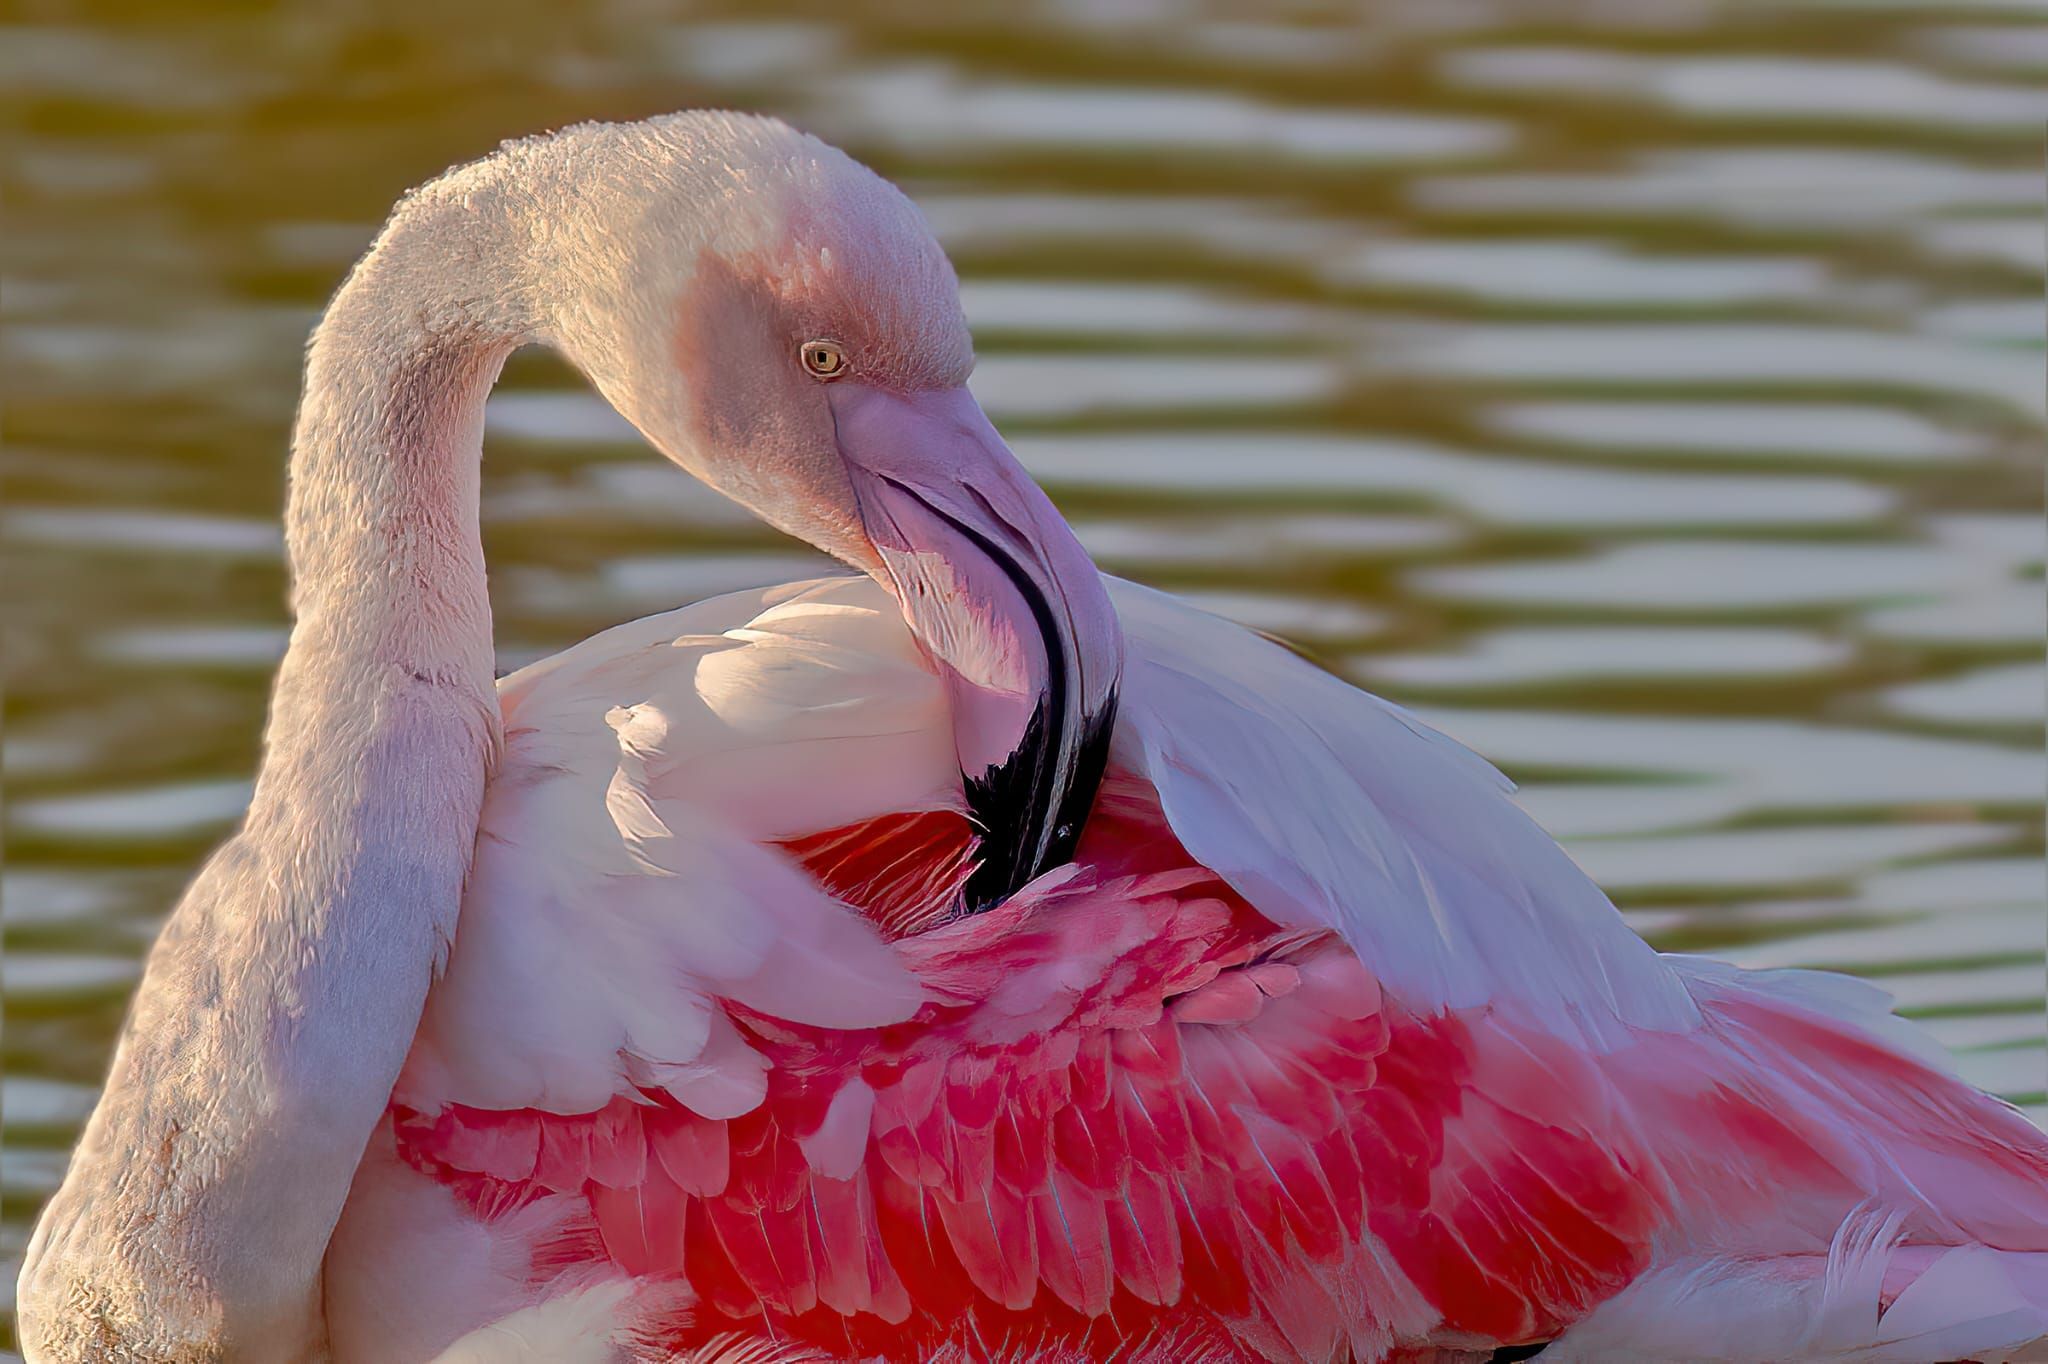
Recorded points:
(1649, 393)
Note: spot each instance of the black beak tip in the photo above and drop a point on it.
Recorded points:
(1031, 809)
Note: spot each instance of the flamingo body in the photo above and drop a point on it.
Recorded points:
(1138, 1111)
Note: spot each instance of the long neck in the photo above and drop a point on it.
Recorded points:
(387, 564)
(280, 1002)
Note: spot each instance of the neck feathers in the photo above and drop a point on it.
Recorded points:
(382, 520)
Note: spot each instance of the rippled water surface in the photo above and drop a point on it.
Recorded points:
(1648, 393)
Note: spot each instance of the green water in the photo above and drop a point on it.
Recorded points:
(1648, 393)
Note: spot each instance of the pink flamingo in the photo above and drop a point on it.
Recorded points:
(680, 999)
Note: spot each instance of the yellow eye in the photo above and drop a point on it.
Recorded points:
(824, 359)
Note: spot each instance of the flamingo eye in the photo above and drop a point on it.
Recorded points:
(824, 359)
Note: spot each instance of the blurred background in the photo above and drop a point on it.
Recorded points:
(1649, 392)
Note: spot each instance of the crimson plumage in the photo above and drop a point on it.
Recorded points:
(1134, 1110)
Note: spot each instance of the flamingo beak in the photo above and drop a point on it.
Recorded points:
(1005, 603)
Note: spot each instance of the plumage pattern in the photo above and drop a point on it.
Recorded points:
(1148, 1109)
(1130, 1096)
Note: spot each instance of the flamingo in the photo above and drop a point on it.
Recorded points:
(972, 958)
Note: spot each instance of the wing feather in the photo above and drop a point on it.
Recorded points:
(1322, 1041)
(1325, 806)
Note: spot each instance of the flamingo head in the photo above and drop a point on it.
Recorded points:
(793, 337)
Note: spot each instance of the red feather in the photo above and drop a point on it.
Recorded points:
(1135, 1110)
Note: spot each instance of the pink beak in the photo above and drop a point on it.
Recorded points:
(1006, 604)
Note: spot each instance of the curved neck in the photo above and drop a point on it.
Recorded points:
(387, 561)
(282, 997)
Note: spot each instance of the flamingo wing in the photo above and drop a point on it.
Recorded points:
(1131, 1109)
(1326, 805)
(625, 880)
(1320, 1049)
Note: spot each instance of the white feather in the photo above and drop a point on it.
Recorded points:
(616, 889)
(1325, 805)
(1964, 1302)
(574, 1328)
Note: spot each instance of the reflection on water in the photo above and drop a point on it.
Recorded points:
(1731, 429)
(1649, 394)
